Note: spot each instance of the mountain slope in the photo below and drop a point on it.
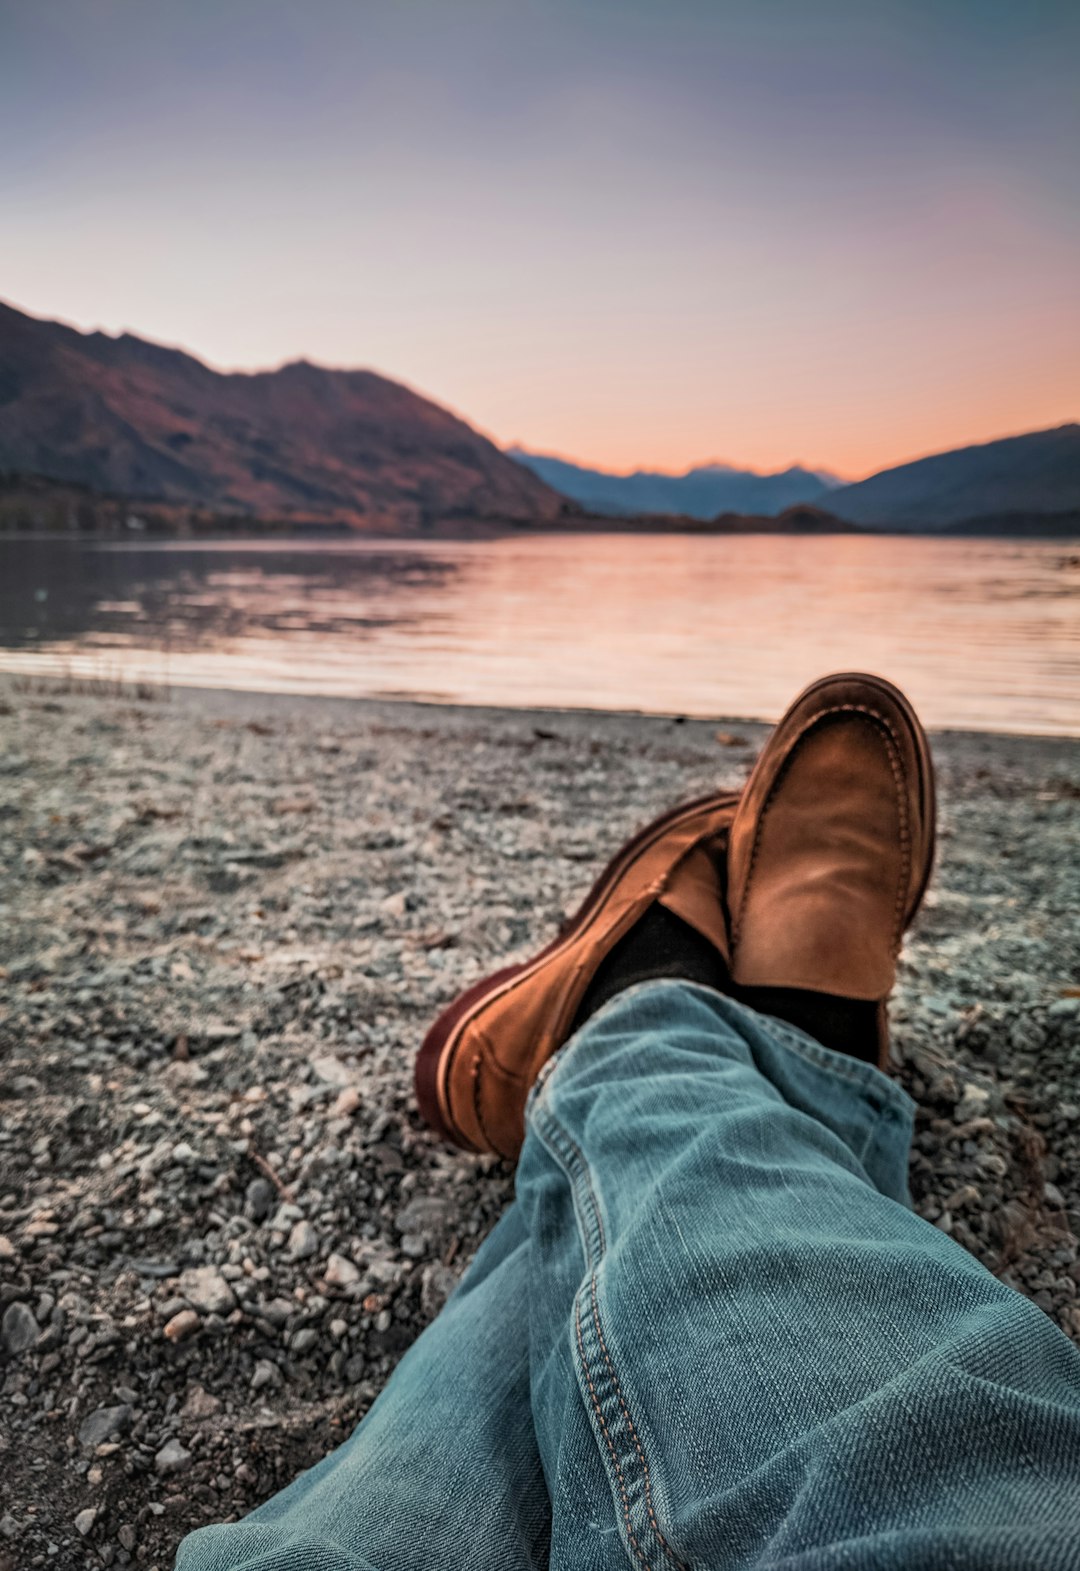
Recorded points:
(1021, 475)
(699, 493)
(122, 415)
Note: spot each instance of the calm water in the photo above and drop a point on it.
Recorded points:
(981, 633)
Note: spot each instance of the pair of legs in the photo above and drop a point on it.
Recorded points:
(709, 1333)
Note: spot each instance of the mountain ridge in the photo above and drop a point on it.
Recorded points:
(701, 492)
(1034, 473)
(124, 415)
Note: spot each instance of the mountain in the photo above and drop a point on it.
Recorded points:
(123, 416)
(1021, 476)
(699, 493)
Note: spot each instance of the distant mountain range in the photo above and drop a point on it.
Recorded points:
(125, 417)
(1018, 477)
(89, 422)
(699, 493)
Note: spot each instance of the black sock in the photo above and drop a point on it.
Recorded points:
(659, 944)
(848, 1025)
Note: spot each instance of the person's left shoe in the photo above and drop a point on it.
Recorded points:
(479, 1060)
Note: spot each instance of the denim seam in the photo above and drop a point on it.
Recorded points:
(568, 1155)
(607, 1436)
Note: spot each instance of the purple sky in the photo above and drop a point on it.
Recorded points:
(634, 234)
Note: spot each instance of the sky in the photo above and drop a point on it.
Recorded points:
(633, 234)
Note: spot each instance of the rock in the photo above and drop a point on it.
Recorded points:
(207, 1290)
(125, 1536)
(972, 1104)
(199, 1404)
(330, 1069)
(85, 1521)
(346, 1103)
(302, 1342)
(103, 1423)
(303, 1241)
(265, 1374)
(7, 1248)
(425, 1215)
(172, 1459)
(340, 1273)
(394, 906)
(18, 1329)
(259, 1197)
(437, 1282)
(182, 1325)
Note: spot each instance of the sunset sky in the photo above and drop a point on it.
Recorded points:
(634, 234)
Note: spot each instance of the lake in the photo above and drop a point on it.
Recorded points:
(983, 634)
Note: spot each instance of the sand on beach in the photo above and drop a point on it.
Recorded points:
(225, 921)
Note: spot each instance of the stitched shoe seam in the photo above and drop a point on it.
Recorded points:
(707, 808)
(892, 749)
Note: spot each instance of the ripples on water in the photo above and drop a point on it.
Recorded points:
(982, 633)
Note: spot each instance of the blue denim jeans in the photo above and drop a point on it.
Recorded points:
(709, 1333)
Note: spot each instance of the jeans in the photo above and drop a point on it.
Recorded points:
(709, 1333)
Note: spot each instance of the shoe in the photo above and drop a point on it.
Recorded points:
(831, 848)
(481, 1057)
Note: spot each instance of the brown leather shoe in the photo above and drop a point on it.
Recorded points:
(481, 1057)
(832, 845)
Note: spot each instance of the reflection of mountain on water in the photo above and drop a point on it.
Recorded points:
(982, 634)
(59, 591)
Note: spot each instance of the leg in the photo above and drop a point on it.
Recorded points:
(443, 1471)
(758, 1350)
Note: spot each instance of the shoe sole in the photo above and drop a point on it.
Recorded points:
(435, 1060)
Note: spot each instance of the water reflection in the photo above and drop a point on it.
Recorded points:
(982, 633)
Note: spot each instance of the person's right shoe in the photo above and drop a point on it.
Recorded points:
(830, 854)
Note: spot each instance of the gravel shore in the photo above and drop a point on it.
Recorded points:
(225, 921)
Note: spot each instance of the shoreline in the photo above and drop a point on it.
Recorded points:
(238, 698)
(226, 919)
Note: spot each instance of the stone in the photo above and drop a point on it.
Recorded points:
(18, 1329)
(125, 1535)
(199, 1404)
(259, 1198)
(331, 1070)
(303, 1240)
(341, 1273)
(972, 1104)
(182, 1325)
(103, 1423)
(207, 1290)
(346, 1103)
(265, 1374)
(172, 1459)
(302, 1342)
(85, 1521)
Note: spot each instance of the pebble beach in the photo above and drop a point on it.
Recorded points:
(225, 922)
